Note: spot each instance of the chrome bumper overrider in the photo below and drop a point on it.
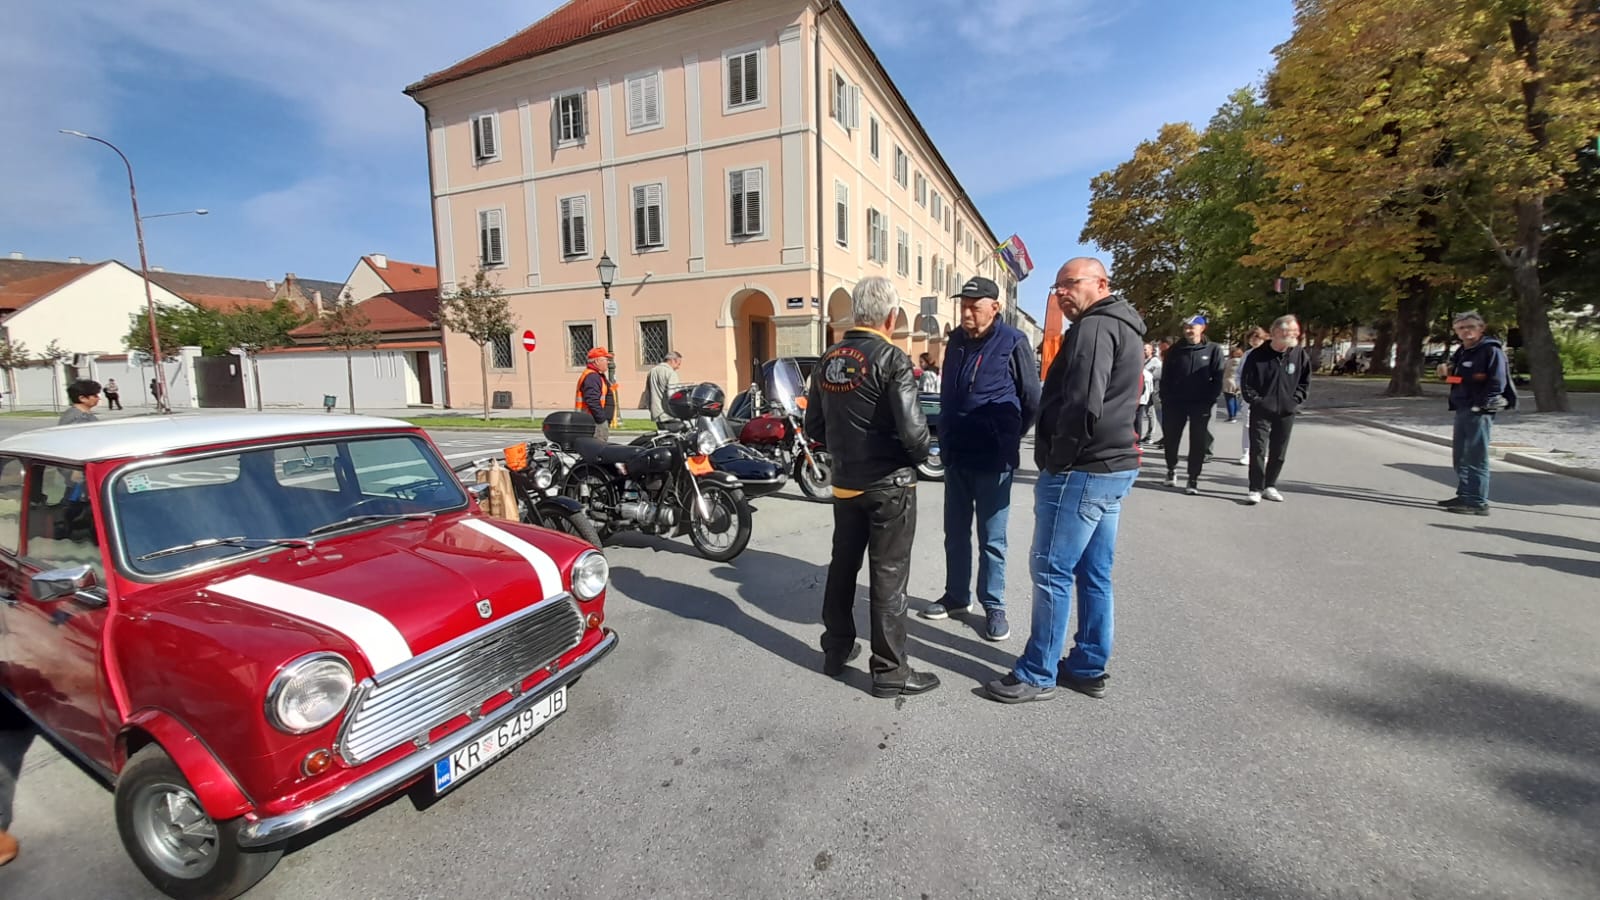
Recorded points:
(384, 781)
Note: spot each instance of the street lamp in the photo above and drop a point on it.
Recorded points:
(144, 271)
(181, 212)
(608, 276)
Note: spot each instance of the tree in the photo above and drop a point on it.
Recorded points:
(13, 356)
(345, 327)
(256, 329)
(482, 313)
(1130, 217)
(53, 354)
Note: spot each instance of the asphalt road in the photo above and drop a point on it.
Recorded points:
(1350, 694)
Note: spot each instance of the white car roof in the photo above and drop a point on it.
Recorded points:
(153, 435)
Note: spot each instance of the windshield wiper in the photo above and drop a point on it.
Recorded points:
(224, 542)
(369, 517)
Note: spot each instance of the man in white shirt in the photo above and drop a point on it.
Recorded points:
(659, 383)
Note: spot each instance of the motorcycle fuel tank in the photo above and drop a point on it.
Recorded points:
(764, 430)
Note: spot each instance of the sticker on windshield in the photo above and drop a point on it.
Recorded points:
(137, 483)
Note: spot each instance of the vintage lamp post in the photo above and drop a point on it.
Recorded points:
(608, 276)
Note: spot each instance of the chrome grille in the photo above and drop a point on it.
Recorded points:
(411, 699)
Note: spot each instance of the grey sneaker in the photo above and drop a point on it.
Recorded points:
(996, 628)
(1171, 480)
(1273, 495)
(1252, 498)
(942, 611)
(1193, 488)
(1089, 687)
(1012, 689)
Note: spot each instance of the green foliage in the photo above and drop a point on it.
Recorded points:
(53, 352)
(481, 312)
(256, 329)
(345, 327)
(180, 326)
(13, 355)
(1579, 349)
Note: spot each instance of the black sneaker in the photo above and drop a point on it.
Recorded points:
(996, 629)
(1467, 509)
(1012, 689)
(1453, 501)
(1090, 687)
(942, 610)
(833, 663)
(1193, 487)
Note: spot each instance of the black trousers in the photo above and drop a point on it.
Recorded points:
(1269, 447)
(1173, 421)
(881, 525)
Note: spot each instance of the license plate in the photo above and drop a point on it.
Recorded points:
(458, 766)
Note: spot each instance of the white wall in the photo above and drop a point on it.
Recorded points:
(35, 388)
(90, 315)
(363, 283)
(299, 380)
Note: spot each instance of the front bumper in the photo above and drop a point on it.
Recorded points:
(379, 784)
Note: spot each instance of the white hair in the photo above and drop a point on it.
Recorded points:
(1284, 322)
(872, 301)
(1470, 315)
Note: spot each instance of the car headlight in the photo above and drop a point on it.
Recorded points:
(704, 443)
(589, 575)
(542, 479)
(309, 693)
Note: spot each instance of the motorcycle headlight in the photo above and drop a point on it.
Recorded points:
(704, 443)
(542, 479)
(309, 693)
(589, 575)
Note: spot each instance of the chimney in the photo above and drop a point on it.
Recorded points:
(272, 285)
(381, 260)
(75, 260)
(158, 268)
(316, 302)
(17, 254)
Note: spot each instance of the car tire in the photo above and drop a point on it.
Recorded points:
(174, 843)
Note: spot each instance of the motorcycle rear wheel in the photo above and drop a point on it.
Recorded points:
(574, 523)
(589, 486)
(727, 532)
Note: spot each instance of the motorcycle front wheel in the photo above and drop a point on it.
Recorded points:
(932, 468)
(820, 485)
(726, 531)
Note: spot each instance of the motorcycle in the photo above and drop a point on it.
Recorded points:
(777, 432)
(757, 476)
(932, 468)
(666, 487)
(532, 467)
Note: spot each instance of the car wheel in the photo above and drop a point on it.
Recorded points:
(178, 847)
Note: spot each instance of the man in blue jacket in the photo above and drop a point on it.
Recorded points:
(1477, 376)
(988, 397)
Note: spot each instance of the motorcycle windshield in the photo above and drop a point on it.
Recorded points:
(785, 385)
(717, 428)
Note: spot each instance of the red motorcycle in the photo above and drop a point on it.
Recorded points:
(777, 431)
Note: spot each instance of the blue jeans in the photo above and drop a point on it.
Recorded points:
(1074, 543)
(1469, 450)
(988, 494)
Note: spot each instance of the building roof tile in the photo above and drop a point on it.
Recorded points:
(18, 295)
(404, 276)
(398, 311)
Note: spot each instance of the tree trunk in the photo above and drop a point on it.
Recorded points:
(1533, 315)
(483, 358)
(255, 376)
(1382, 343)
(1410, 332)
(350, 379)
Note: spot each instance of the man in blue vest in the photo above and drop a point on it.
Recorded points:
(988, 398)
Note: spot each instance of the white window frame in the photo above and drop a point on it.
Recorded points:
(844, 102)
(728, 56)
(902, 165)
(936, 206)
(877, 237)
(766, 205)
(561, 227)
(902, 252)
(641, 80)
(556, 121)
(938, 275)
(874, 137)
(485, 223)
(919, 262)
(841, 214)
(633, 215)
(638, 339)
(475, 125)
(919, 190)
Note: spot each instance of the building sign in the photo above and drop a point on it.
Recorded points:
(795, 303)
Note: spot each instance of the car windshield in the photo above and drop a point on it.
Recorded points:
(204, 508)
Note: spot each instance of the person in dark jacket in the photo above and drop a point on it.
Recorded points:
(863, 407)
(1087, 451)
(1477, 374)
(987, 402)
(1191, 382)
(1275, 380)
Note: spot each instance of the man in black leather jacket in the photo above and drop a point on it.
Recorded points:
(863, 407)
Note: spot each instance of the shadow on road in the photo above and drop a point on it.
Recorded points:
(1584, 568)
(1520, 488)
(1563, 541)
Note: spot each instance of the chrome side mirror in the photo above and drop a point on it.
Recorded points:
(58, 583)
(479, 490)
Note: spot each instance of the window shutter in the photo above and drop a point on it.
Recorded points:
(753, 200)
(854, 107)
(580, 226)
(653, 205)
(752, 77)
(735, 80)
(635, 102)
(641, 238)
(841, 213)
(736, 203)
(491, 242)
(488, 139)
(650, 100)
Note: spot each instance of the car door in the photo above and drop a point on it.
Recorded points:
(55, 640)
(12, 476)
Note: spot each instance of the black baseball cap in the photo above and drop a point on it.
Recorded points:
(978, 288)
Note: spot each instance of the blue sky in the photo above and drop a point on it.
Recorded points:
(284, 118)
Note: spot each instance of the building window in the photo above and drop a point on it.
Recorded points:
(961, 232)
(901, 165)
(500, 352)
(491, 237)
(574, 227)
(846, 105)
(644, 102)
(841, 214)
(655, 339)
(571, 124)
(947, 219)
(743, 72)
(746, 204)
(877, 237)
(919, 262)
(486, 137)
(580, 340)
(938, 275)
(936, 207)
(902, 252)
(872, 136)
(649, 230)
(920, 190)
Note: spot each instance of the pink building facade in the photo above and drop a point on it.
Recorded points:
(743, 162)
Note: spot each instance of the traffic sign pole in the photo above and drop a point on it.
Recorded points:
(529, 344)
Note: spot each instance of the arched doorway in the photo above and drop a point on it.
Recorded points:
(839, 316)
(754, 335)
(902, 331)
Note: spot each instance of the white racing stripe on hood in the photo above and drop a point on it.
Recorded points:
(375, 635)
(543, 565)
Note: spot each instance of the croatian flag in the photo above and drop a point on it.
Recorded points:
(1015, 255)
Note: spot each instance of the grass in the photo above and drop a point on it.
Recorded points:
(472, 422)
(1587, 381)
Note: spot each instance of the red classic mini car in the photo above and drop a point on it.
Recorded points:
(255, 624)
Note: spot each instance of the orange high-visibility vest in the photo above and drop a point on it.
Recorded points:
(577, 394)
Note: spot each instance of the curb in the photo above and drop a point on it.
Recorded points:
(1531, 460)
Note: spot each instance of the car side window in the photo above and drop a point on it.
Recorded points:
(61, 530)
(11, 483)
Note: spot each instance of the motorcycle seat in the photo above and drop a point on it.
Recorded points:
(631, 459)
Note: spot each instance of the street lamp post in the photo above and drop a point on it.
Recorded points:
(144, 272)
(608, 275)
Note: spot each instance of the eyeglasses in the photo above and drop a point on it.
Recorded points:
(1066, 284)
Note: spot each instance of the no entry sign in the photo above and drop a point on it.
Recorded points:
(529, 342)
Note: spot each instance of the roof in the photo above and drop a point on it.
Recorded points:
(17, 295)
(216, 292)
(153, 435)
(399, 276)
(19, 269)
(388, 313)
(424, 344)
(330, 289)
(571, 23)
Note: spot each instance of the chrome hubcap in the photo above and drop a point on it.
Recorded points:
(175, 832)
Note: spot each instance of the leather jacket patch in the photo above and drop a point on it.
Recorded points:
(845, 369)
